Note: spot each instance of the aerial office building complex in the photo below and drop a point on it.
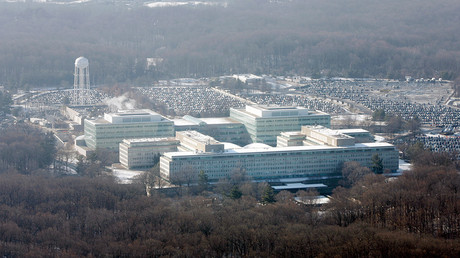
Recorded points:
(265, 123)
(109, 132)
(321, 152)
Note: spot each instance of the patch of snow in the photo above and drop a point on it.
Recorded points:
(125, 176)
(404, 166)
(321, 199)
(379, 138)
(358, 118)
(175, 4)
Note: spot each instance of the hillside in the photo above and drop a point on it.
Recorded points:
(387, 39)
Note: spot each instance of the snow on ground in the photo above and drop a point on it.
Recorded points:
(173, 4)
(354, 117)
(404, 166)
(315, 200)
(126, 176)
(379, 138)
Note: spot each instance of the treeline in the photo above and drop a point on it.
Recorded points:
(25, 149)
(415, 215)
(423, 201)
(358, 38)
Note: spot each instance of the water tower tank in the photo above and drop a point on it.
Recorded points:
(81, 62)
(81, 82)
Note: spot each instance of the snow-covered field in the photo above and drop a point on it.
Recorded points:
(125, 176)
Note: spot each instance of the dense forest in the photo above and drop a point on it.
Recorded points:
(358, 38)
(47, 215)
(416, 215)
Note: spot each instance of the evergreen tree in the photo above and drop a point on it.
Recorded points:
(80, 165)
(377, 164)
(235, 193)
(269, 195)
(48, 146)
(5, 102)
(202, 181)
(378, 115)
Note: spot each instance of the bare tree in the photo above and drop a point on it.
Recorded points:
(309, 197)
(352, 172)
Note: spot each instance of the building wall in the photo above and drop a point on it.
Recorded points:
(234, 133)
(265, 130)
(231, 132)
(138, 155)
(362, 137)
(288, 162)
(195, 141)
(73, 115)
(108, 135)
(283, 141)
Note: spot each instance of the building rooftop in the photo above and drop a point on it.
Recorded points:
(346, 131)
(146, 140)
(329, 132)
(229, 145)
(129, 116)
(257, 145)
(292, 134)
(183, 122)
(134, 112)
(283, 149)
(261, 111)
(219, 120)
(133, 116)
(194, 120)
(246, 77)
(99, 120)
(199, 137)
(297, 186)
(275, 107)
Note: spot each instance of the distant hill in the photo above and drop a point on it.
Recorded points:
(356, 38)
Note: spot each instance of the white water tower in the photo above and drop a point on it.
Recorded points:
(81, 82)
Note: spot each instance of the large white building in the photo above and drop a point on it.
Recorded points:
(198, 142)
(137, 153)
(109, 132)
(223, 129)
(248, 78)
(265, 123)
(261, 161)
(320, 135)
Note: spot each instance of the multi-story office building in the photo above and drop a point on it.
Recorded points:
(265, 123)
(109, 131)
(223, 129)
(136, 153)
(319, 135)
(261, 161)
(198, 142)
